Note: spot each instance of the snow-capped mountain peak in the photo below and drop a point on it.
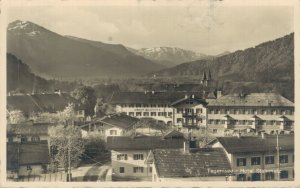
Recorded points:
(18, 24)
(173, 55)
(19, 27)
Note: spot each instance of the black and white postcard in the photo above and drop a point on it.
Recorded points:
(149, 93)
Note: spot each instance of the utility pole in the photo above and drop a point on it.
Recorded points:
(278, 158)
(69, 159)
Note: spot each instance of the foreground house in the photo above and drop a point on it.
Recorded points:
(112, 125)
(24, 159)
(128, 154)
(197, 164)
(256, 158)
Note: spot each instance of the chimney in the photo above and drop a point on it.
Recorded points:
(185, 96)
(219, 94)
(153, 91)
(204, 94)
(186, 147)
(145, 91)
(263, 135)
(193, 96)
(238, 135)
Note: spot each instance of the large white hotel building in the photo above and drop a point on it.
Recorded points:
(219, 114)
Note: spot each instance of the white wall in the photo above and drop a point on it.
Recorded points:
(129, 164)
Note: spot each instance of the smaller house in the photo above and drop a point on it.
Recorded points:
(259, 158)
(28, 132)
(24, 159)
(198, 164)
(128, 154)
(112, 125)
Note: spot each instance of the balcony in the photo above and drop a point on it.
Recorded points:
(188, 114)
(190, 125)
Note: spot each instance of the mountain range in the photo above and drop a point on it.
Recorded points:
(267, 62)
(53, 55)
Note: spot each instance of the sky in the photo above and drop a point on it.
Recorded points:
(208, 28)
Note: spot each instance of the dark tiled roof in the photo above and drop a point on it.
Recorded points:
(253, 99)
(175, 163)
(29, 154)
(150, 98)
(256, 143)
(41, 102)
(120, 120)
(142, 143)
(28, 129)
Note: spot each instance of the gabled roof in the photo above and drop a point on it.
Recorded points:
(256, 143)
(253, 99)
(189, 98)
(52, 102)
(173, 134)
(142, 143)
(150, 98)
(120, 120)
(197, 163)
(27, 154)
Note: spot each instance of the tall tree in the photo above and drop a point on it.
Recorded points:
(86, 95)
(67, 143)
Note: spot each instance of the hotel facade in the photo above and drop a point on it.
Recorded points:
(219, 115)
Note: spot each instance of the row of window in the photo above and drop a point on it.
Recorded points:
(189, 110)
(135, 170)
(284, 174)
(268, 160)
(125, 157)
(189, 120)
(251, 111)
(25, 139)
(145, 105)
(150, 113)
(249, 122)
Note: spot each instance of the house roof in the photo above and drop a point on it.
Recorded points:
(173, 134)
(150, 98)
(253, 99)
(142, 143)
(189, 98)
(256, 143)
(120, 120)
(28, 129)
(52, 102)
(196, 163)
(29, 153)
